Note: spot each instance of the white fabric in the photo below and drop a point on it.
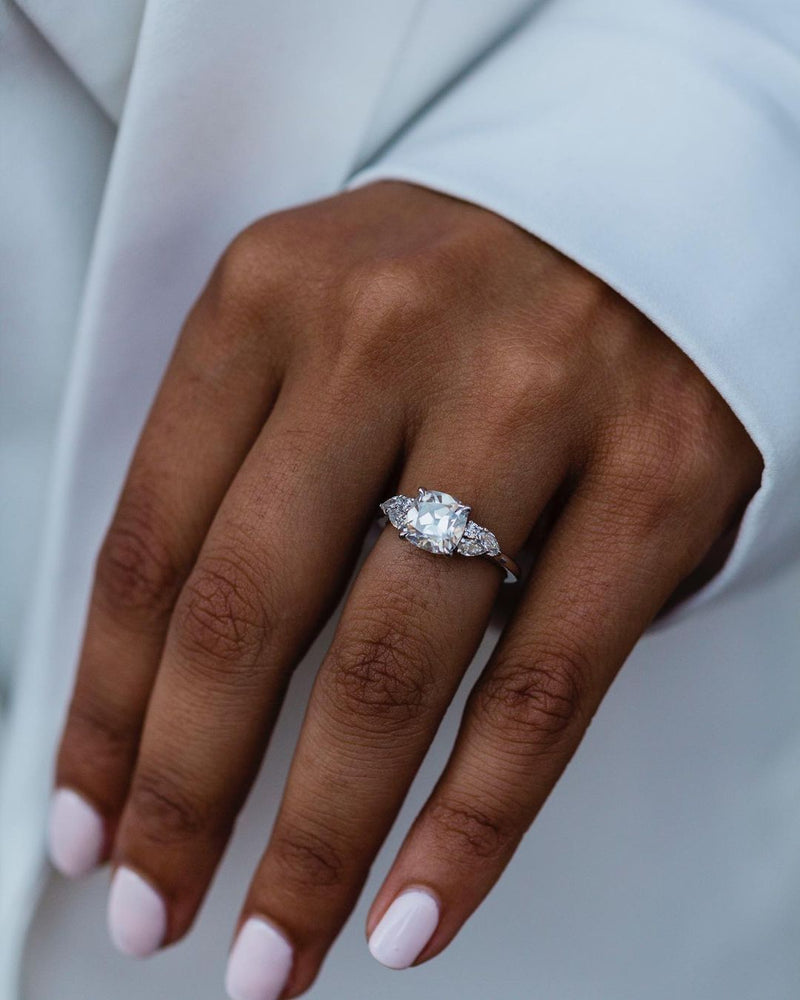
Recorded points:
(608, 128)
(657, 142)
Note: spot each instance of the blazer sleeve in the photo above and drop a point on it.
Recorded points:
(656, 143)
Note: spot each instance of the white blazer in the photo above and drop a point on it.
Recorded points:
(656, 142)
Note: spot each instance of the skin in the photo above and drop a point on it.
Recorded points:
(373, 343)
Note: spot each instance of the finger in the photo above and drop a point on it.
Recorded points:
(273, 564)
(193, 442)
(410, 628)
(610, 564)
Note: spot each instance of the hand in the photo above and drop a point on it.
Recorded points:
(373, 343)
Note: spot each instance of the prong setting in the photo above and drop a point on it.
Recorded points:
(438, 523)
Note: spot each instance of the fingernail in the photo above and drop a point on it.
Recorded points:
(259, 964)
(405, 929)
(75, 833)
(137, 916)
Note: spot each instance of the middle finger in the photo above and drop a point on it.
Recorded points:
(409, 630)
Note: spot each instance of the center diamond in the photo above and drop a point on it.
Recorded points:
(435, 522)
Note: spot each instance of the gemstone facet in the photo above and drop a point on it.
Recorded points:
(435, 522)
(478, 541)
(396, 508)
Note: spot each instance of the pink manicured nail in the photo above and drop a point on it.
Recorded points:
(405, 929)
(260, 962)
(137, 916)
(75, 833)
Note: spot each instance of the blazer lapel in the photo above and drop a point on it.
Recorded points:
(96, 40)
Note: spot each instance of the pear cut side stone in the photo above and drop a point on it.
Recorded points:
(435, 522)
(396, 508)
(478, 541)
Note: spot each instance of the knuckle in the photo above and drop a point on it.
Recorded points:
(546, 378)
(693, 456)
(221, 614)
(383, 304)
(136, 572)
(252, 272)
(99, 733)
(572, 307)
(380, 671)
(162, 811)
(391, 293)
(306, 859)
(538, 700)
(663, 468)
(473, 831)
(529, 387)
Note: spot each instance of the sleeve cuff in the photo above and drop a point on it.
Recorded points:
(633, 141)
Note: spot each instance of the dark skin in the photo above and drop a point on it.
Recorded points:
(373, 343)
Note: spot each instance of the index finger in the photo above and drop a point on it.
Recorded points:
(270, 569)
(179, 473)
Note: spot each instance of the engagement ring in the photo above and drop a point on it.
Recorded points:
(436, 522)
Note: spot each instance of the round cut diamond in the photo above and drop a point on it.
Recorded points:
(435, 522)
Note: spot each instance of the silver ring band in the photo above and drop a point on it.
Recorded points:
(436, 522)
